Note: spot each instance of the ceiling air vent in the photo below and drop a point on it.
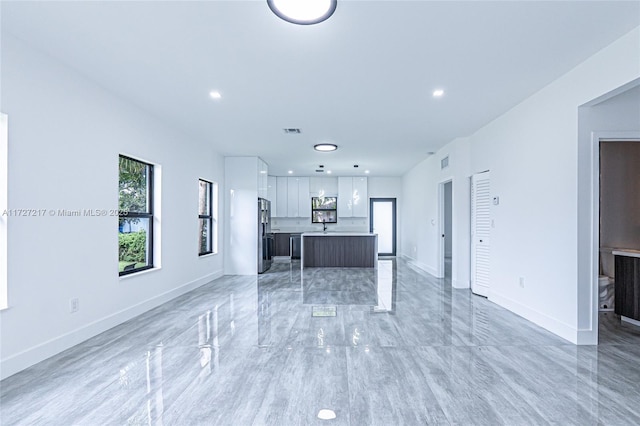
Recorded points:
(444, 163)
(292, 131)
(319, 171)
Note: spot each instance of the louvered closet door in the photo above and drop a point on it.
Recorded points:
(480, 233)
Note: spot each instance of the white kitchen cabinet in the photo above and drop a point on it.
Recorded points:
(360, 198)
(272, 193)
(292, 197)
(323, 186)
(281, 197)
(263, 171)
(345, 197)
(304, 199)
(352, 197)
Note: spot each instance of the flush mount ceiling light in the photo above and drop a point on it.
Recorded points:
(305, 12)
(438, 93)
(215, 94)
(325, 147)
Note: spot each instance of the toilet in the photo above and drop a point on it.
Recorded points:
(606, 279)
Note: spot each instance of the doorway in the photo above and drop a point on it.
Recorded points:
(382, 221)
(618, 204)
(446, 229)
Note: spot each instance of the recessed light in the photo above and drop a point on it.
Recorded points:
(366, 171)
(325, 147)
(328, 172)
(438, 93)
(290, 172)
(215, 94)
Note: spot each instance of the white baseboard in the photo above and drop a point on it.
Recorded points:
(461, 284)
(420, 265)
(28, 357)
(551, 324)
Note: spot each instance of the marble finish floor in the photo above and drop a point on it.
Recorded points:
(390, 346)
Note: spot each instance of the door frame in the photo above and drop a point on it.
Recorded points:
(395, 221)
(596, 139)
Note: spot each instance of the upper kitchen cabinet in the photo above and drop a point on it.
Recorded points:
(304, 198)
(282, 197)
(360, 197)
(298, 199)
(352, 197)
(323, 186)
(263, 187)
(272, 194)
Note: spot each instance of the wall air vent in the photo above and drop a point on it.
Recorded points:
(319, 171)
(292, 131)
(444, 163)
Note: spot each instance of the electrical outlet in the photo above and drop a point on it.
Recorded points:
(521, 282)
(74, 305)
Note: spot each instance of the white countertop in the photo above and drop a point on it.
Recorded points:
(626, 252)
(338, 234)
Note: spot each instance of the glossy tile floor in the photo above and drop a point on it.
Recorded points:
(378, 347)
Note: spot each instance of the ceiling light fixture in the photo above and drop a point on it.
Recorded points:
(325, 147)
(328, 172)
(306, 12)
(366, 171)
(215, 94)
(290, 172)
(438, 93)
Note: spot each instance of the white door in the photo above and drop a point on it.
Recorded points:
(480, 233)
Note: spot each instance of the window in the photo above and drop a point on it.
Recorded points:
(207, 217)
(4, 215)
(204, 217)
(324, 210)
(135, 225)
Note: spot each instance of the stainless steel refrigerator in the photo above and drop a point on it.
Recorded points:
(265, 237)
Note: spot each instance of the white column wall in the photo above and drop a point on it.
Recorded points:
(241, 195)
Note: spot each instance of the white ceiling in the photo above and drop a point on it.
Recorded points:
(362, 79)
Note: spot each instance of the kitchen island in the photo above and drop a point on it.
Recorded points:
(339, 249)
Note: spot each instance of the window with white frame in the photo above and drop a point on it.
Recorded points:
(4, 189)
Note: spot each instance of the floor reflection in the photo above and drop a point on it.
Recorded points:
(390, 345)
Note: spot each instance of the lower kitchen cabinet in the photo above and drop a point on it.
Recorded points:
(282, 244)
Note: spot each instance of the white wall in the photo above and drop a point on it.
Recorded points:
(620, 195)
(532, 152)
(65, 135)
(421, 215)
(241, 214)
